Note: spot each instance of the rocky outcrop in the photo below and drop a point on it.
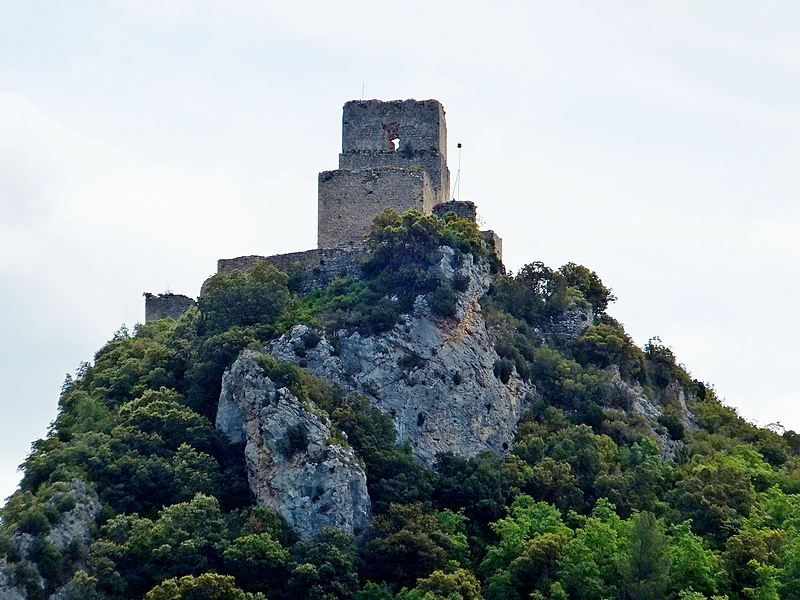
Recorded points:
(570, 324)
(636, 402)
(292, 465)
(73, 529)
(434, 376)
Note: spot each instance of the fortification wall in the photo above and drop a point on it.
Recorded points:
(432, 163)
(350, 200)
(165, 305)
(398, 133)
(313, 268)
(372, 125)
(463, 208)
(494, 242)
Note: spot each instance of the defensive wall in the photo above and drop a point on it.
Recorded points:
(353, 198)
(162, 306)
(312, 268)
(394, 155)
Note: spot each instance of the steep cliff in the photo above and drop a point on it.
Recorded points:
(433, 375)
(292, 464)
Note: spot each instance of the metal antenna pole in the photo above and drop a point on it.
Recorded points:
(458, 177)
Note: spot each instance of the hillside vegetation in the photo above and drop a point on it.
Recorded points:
(134, 493)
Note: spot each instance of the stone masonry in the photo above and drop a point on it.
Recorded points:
(162, 306)
(349, 200)
(394, 154)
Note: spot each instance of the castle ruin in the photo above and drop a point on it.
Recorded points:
(394, 155)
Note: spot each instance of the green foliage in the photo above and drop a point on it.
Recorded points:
(257, 297)
(716, 497)
(645, 566)
(258, 561)
(324, 569)
(208, 586)
(478, 488)
(589, 284)
(401, 250)
(439, 585)
(590, 561)
(135, 553)
(662, 366)
(584, 506)
(603, 345)
(408, 545)
(526, 556)
(537, 293)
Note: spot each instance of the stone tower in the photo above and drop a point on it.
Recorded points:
(394, 154)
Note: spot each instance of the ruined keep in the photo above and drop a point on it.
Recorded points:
(394, 155)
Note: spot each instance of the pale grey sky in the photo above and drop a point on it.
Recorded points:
(654, 142)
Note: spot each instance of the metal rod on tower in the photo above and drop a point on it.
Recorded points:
(458, 175)
(456, 193)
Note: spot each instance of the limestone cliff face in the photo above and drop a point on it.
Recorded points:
(433, 376)
(292, 466)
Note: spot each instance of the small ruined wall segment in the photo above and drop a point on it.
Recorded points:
(493, 242)
(165, 305)
(463, 208)
(350, 199)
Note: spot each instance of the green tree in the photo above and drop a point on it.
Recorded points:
(324, 568)
(439, 585)
(257, 297)
(258, 561)
(645, 567)
(408, 545)
(590, 562)
(208, 586)
(693, 566)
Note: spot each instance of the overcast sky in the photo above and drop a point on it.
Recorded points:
(657, 143)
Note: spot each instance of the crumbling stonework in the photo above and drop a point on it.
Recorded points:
(398, 134)
(350, 199)
(312, 268)
(463, 208)
(165, 305)
(394, 154)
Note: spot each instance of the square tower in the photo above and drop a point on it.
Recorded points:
(394, 155)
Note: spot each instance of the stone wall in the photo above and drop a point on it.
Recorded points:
(463, 208)
(375, 125)
(317, 268)
(399, 133)
(494, 242)
(350, 199)
(165, 305)
(394, 154)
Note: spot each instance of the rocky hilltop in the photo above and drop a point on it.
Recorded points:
(423, 425)
(433, 375)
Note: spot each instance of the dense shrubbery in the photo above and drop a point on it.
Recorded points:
(584, 506)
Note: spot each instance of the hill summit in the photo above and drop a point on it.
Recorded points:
(394, 416)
